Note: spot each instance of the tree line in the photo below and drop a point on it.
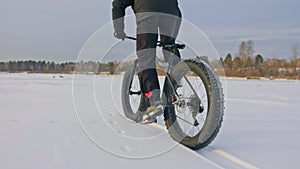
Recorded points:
(244, 64)
(31, 66)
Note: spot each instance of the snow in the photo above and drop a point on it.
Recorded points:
(66, 121)
(262, 122)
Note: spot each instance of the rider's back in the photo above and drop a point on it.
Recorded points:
(163, 6)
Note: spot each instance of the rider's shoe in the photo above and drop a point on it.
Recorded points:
(149, 116)
(154, 108)
(149, 120)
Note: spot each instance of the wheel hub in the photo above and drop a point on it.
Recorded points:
(194, 104)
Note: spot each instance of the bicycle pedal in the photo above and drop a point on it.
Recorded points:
(149, 121)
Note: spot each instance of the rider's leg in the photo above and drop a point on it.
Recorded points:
(169, 29)
(147, 35)
(169, 26)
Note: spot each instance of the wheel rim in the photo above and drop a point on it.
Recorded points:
(186, 113)
(134, 99)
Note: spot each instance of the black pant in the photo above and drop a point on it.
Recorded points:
(148, 27)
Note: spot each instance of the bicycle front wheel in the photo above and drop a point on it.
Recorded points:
(194, 115)
(132, 97)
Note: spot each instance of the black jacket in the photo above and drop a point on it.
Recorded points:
(140, 6)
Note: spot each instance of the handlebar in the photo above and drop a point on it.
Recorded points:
(129, 37)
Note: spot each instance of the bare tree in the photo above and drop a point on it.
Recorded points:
(246, 53)
(250, 48)
(295, 49)
(242, 54)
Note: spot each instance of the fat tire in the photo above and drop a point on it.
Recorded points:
(128, 112)
(215, 113)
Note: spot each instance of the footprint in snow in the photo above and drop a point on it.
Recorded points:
(121, 132)
(112, 115)
(113, 122)
(125, 148)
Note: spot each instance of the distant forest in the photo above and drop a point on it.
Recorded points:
(243, 64)
(246, 64)
(31, 66)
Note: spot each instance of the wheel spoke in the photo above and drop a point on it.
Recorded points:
(135, 97)
(193, 93)
(183, 119)
(191, 86)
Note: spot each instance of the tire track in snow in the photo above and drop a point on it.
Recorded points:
(220, 153)
(256, 100)
(189, 150)
(234, 159)
(226, 159)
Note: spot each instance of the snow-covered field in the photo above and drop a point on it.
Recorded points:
(48, 121)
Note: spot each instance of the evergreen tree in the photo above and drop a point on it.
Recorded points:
(258, 61)
(228, 61)
(237, 62)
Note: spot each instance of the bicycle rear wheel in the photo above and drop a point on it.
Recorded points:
(195, 117)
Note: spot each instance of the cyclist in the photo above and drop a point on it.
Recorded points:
(152, 16)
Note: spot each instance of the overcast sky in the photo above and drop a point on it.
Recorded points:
(57, 29)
